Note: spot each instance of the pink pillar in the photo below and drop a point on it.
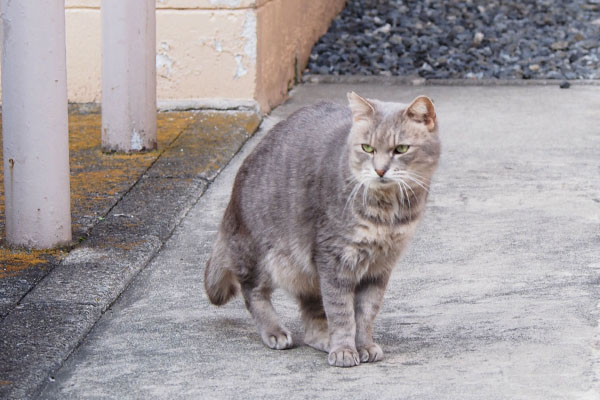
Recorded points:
(35, 123)
(128, 75)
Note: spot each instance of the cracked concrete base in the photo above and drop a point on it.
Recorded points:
(497, 298)
(53, 318)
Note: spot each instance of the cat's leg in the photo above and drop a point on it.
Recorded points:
(367, 302)
(338, 301)
(258, 302)
(315, 322)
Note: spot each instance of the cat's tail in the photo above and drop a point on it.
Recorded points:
(220, 282)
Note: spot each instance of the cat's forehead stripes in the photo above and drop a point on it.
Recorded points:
(385, 125)
(391, 131)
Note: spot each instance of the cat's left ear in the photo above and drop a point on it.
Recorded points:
(421, 110)
(362, 109)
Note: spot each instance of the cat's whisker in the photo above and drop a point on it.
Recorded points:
(407, 186)
(407, 197)
(353, 194)
(423, 185)
(401, 193)
(410, 188)
(364, 195)
(415, 174)
(417, 178)
(356, 188)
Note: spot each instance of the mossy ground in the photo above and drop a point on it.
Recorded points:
(99, 180)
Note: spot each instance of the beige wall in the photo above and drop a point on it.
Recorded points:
(231, 51)
(286, 31)
(206, 54)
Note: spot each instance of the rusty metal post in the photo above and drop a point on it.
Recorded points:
(35, 123)
(128, 75)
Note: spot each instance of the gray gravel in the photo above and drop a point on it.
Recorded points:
(477, 39)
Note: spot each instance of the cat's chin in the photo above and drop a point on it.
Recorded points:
(382, 183)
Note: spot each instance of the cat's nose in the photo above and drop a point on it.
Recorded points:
(380, 172)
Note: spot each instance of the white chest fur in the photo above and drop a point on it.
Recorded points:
(386, 237)
(375, 246)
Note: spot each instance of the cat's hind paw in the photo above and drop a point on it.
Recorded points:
(319, 343)
(343, 357)
(370, 353)
(318, 339)
(279, 339)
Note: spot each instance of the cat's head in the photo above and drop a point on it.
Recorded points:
(393, 144)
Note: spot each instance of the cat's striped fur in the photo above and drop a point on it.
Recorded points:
(316, 214)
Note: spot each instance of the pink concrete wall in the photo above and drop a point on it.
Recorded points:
(286, 32)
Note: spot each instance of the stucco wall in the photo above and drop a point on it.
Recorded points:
(206, 54)
(286, 31)
(209, 50)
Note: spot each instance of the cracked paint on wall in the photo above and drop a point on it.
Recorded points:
(205, 54)
(249, 34)
(136, 141)
(249, 37)
(226, 3)
(164, 63)
(240, 71)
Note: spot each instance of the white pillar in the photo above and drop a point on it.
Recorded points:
(128, 75)
(35, 123)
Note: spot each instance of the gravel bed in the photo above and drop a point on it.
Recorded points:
(476, 39)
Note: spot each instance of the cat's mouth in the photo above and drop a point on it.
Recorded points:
(382, 182)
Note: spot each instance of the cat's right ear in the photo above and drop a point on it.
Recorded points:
(422, 111)
(362, 110)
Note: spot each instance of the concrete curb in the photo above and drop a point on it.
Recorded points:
(208, 104)
(55, 317)
(181, 105)
(419, 81)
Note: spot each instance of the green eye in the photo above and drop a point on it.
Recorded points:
(403, 148)
(367, 148)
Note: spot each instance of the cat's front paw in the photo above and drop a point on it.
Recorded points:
(343, 357)
(370, 353)
(278, 339)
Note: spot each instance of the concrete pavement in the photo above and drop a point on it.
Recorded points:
(124, 208)
(497, 297)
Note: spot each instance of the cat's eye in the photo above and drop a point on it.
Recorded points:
(367, 148)
(403, 148)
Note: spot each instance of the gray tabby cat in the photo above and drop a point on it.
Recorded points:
(323, 208)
